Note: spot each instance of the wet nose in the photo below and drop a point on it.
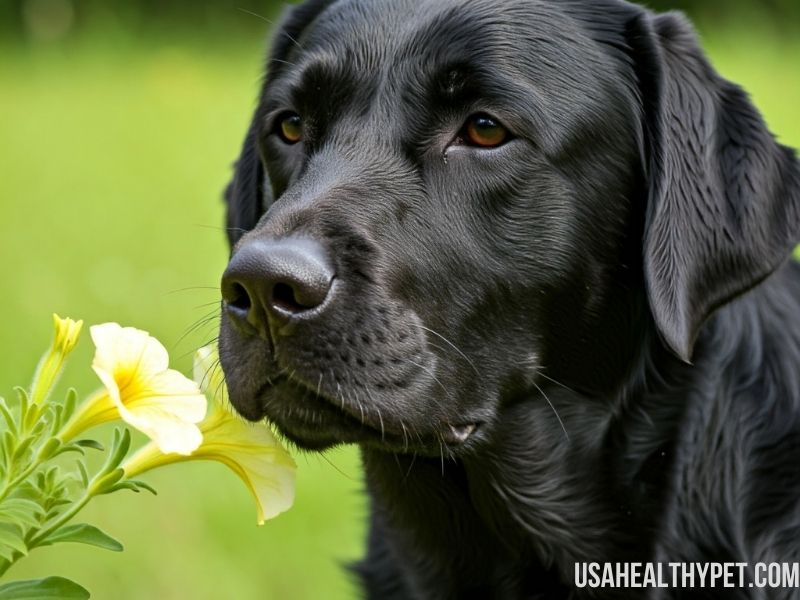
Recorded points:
(276, 279)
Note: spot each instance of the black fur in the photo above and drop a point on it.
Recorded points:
(608, 296)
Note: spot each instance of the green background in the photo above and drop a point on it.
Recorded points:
(117, 132)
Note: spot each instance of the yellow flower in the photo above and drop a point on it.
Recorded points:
(66, 336)
(249, 449)
(141, 389)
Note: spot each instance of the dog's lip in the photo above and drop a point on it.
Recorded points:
(451, 434)
(323, 405)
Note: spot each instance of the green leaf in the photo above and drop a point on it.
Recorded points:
(55, 424)
(123, 485)
(104, 484)
(22, 518)
(49, 448)
(11, 537)
(49, 588)
(33, 419)
(28, 491)
(22, 396)
(51, 475)
(8, 446)
(144, 486)
(69, 406)
(83, 533)
(6, 554)
(8, 416)
(83, 472)
(21, 511)
(23, 446)
(69, 448)
(22, 504)
(91, 444)
(119, 448)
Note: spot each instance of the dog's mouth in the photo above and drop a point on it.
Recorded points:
(312, 420)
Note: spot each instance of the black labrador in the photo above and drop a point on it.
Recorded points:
(533, 257)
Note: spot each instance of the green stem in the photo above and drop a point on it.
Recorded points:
(35, 464)
(20, 478)
(42, 535)
(66, 433)
(36, 538)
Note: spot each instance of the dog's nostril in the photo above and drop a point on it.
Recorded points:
(283, 297)
(239, 298)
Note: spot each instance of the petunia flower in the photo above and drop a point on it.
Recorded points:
(142, 390)
(50, 366)
(249, 449)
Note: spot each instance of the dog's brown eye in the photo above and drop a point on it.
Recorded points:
(290, 128)
(484, 131)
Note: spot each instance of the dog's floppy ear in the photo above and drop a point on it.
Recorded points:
(247, 195)
(724, 197)
(244, 195)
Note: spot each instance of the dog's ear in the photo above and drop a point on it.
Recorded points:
(249, 194)
(724, 197)
(244, 195)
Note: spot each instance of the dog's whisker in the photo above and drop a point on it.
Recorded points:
(411, 466)
(203, 321)
(441, 453)
(378, 411)
(327, 459)
(451, 344)
(212, 227)
(319, 384)
(383, 429)
(539, 373)
(555, 412)
(433, 376)
(270, 22)
(192, 351)
(360, 408)
(284, 62)
(193, 288)
(235, 230)
(215, 303)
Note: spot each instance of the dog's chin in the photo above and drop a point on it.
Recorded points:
(314, 422)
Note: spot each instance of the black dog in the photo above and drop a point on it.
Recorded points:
(533, 257)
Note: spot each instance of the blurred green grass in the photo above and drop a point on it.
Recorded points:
(110, 202)
(115, 151)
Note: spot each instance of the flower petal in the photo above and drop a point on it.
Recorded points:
(157, 400)
(168, 433)
(252, 452)
(51, 364)
(67, 333)
(127, 348)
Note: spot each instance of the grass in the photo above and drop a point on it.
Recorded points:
(115, 152)
(111, 210)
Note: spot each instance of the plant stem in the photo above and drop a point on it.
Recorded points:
(9, 487)
(42, 535)
(36, 538)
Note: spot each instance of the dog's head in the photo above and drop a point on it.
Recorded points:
(440, 206)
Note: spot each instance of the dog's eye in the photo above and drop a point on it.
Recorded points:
(482, 130)
(290, 128)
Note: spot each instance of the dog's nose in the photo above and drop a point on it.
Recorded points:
(276, 279)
